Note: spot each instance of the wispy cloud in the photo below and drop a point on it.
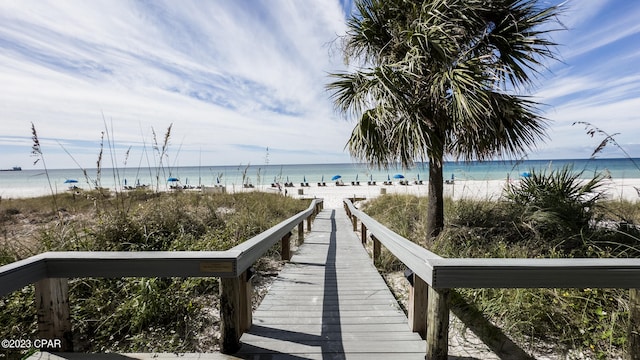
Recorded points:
(248, 72)
(598, 79)
(223, 72)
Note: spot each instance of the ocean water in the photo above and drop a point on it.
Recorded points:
(31, 182)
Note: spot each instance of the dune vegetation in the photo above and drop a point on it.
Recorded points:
(548, 215)
(134, 314)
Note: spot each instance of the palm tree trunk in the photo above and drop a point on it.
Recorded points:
(435, 205)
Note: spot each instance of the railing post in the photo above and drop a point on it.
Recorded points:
(246, 308)
(633, 331)
(285, 247)
(438, 324)
(300, 232)
(376, 248)
(354, 220)
(235, 312)
(363, 233)
(52, 306)
(418, 305)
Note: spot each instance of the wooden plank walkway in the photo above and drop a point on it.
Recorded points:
(330, 302)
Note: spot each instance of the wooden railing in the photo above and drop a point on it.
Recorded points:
(434, 276)
(50, 271)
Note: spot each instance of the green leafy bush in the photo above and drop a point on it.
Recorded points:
(558, 202)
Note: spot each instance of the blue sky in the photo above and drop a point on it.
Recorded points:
(237, 77)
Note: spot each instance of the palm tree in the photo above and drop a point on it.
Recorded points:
(438, 78)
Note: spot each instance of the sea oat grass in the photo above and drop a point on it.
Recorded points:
(137, 314)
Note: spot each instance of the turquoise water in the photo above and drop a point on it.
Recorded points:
(30, 181)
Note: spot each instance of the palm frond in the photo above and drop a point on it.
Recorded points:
(436, 76)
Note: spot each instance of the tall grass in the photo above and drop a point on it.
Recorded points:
(36, 151)
(142, 314)
(552, 215)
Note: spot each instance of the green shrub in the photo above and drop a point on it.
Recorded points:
(558, 202)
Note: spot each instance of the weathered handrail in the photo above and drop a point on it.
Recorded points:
(113, 264)
(46, 270)
(408, 252)
(251, 250)
(441, 274)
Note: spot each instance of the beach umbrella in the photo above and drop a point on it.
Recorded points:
(304, 179)
(371, 177)
(418, 176)
(125, 182)
(336, 177)
(388, 177)
(356, 177)
(173, 179)
(526, 174)
(322, 178)
(217, 180)
(398, 176)
(70, 181)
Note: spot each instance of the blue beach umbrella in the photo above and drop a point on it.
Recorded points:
(173, 179)
(418, 176)
(217, 180)
(304, 179)
(336, 177)
(388, 177)
(526, 174)
(398, 176)
(70, 181)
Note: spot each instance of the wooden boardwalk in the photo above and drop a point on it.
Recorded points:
(330, 302)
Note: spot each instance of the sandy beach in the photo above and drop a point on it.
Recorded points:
(624, 189)
(619, 189)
